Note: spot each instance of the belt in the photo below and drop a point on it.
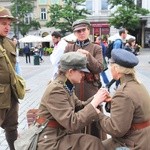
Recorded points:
(138, 126)
(51, 123)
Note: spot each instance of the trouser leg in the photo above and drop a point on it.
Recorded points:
(10, 123)
(11, 136)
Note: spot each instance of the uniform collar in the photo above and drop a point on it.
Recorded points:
(83, 43)
(1, 39)
(66, 83)
(126, 78)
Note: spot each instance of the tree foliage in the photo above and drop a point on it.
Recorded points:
(20, 9)
(62, 16)
(127, 14)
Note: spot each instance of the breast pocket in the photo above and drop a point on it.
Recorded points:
(5, 96)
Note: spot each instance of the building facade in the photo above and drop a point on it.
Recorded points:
(100, 12)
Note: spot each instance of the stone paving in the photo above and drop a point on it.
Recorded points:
(38, 76)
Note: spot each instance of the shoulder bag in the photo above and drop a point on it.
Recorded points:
(29, 138)
(17, 82)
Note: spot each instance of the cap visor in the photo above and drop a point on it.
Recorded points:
(79, 28)
(85, 70)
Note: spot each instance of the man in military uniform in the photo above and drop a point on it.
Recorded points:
(91, 83)
(8, 102)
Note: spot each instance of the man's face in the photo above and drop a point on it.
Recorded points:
(5, 25)
(82, 34)
(55, 40)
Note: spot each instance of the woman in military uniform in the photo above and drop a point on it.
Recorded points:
(91, 83)
(129, 121)
(66, 113)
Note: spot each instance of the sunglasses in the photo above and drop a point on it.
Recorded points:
(81, 30)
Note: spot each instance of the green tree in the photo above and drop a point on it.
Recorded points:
(20, 9)
(126, 15)
(62, 16)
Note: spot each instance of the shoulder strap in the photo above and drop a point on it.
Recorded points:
(8, 60)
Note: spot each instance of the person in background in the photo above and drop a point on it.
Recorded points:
(26, 51)
(67, 115)
(8, 101)
(103, 74)
(129, 120)
(91, 83)
(17, 66)
(130, 45)
(41, 51)
(118, 44)
(59, 47)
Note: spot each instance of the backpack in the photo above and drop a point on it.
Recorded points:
(109, 48)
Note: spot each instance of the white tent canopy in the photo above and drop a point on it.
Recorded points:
(30, 39)
(116, 36)
(70, 38)
(47, 38)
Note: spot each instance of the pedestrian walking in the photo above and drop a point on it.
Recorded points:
(26, 51)
(66, 113)
(8, 101)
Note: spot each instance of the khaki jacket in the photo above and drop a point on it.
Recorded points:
(130, 105)
(5, 90)
(57, 103)
(95, 65)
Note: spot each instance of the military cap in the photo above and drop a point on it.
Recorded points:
(80, 24)
(73, 60)
(124, 58)
(5, 13)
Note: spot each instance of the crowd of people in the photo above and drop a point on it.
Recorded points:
(72, 102)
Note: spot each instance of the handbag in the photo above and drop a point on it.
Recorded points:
(29, 138)
(17, 82)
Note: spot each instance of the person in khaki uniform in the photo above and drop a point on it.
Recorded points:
(91, 83)
(66, 113)
(129, 121)
(8, 102)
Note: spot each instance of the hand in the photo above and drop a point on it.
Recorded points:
(84, 52)
(101, 96)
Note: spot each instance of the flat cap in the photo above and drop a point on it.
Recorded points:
(124, 58)
(73, 60)
(5, 13)
(80, 24)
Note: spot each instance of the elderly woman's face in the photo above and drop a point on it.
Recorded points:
(113, 71)
(82, 34)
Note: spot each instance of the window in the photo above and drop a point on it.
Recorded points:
(104, 4)
(43, 14)
(139, 3)
(55, 2)
(27, 18)
(89, 5)
(42, 2)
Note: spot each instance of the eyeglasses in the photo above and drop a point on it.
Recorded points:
(81, 30)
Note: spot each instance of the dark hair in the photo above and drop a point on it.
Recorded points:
(122, 30)
(56, 34)
(130, 41)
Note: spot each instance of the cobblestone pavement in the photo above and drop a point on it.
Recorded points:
(38, 76)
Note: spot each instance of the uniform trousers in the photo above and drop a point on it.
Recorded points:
(9, 122)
